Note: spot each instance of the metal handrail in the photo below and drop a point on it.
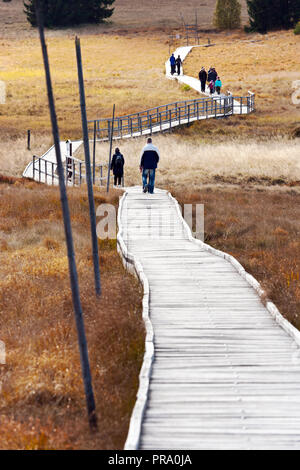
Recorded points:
(181, 112)
(72, 175)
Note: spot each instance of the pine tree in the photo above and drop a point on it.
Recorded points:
(265, 15)
(227, 14)
(69, 13)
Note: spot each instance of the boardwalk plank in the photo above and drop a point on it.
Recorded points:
(225, 374)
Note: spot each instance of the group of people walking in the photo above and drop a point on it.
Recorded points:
(212, 78)
(176, 64)
(148, 165)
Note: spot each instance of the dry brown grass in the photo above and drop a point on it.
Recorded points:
(42, 402)
(261, 229)
(267, 67)
(187, 160)
(128, 71)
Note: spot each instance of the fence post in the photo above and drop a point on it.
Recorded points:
(170, 118)
(197, 110)
(189, 110)
(150, 125)
(33, 168)
(86, 142)
(46, 178)
(39, 170)
(80, 173)
(84, 358)
(28, 139)
(108, 129)
(94, 154)
(110, 148)
(52, 171)
(73, 172)
(98, 130)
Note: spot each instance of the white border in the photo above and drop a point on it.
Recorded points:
(132, 264)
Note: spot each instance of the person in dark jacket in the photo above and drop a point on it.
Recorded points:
(149, 160)
(209, 75)
(203, 79)
(179, 64)
(173, 64)
(117, 167)
(214, 74)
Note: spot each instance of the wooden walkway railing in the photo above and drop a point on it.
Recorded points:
(171, 115)
(45, 171)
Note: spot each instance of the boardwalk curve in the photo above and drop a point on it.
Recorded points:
(221, 370)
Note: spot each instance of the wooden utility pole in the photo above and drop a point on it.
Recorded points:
(111, 134)
(83, 349)
(86, 144)
(94, 154)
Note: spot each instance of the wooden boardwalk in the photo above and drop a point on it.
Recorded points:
(225, 370)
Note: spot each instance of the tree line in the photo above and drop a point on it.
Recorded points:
(70, 12)
(264, 15)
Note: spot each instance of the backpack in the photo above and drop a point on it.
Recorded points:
(119, 162)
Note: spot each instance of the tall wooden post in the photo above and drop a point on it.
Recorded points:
(88, 169)
(84, 358)
(28, 139)
(110, 147)
(94, 154)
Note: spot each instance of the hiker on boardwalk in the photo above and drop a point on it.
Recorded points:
(117, 167)
(218, 85)
(149, 160)
(203, 79)
(212, 74)
(211, 87)
(173, 64)
(179, 64)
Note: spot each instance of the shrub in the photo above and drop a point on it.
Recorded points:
(227, 14)
(297, 29)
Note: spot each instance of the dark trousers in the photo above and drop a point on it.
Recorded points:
(178, 69)
(173, 69)
(218, 89)
(117, 180)
(203, 86)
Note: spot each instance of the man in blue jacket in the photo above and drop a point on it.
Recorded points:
(173, 64)
(149, 160)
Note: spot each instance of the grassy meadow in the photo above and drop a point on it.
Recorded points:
(42, 403)
(267, 65)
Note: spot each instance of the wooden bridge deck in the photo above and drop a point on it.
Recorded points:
(225, 374)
